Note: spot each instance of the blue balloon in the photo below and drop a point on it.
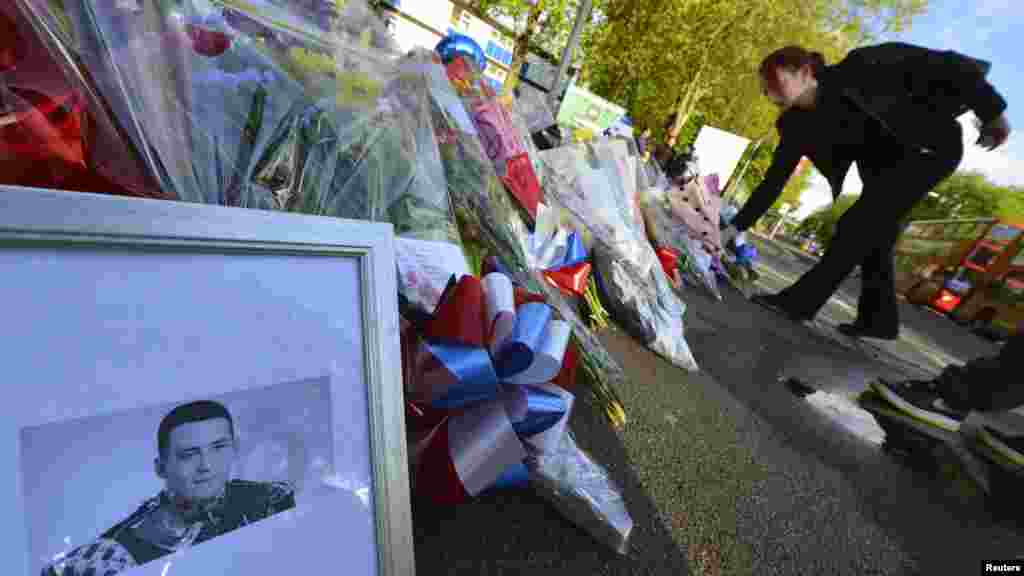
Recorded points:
(457, 44)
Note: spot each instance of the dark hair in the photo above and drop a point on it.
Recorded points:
(682, 167)
(191, 412)
(790, 58)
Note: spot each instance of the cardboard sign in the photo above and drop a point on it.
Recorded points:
(718, 152)
(581, 109)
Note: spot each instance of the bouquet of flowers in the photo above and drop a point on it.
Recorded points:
(55, 130)
(493, 224)
(667, 230)
(198, 98)
(272, 106)
(596, 185)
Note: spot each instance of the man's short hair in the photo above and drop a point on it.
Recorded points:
(191, 412)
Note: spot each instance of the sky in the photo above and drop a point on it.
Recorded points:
(982, 29)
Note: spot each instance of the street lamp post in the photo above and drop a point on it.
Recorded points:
(582, 15)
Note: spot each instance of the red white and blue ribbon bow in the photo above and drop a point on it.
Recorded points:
(564, 260)
(483, 370)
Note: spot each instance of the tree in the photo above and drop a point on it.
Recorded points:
(1011, 204)
(969, 195)
(796, 186)
(963, 195)
(821, 224)
(543, 22)
(660, 57)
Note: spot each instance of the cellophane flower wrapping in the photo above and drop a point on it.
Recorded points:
(653, 174)
(592, 183)
(275, 106)
(532, 107)
(665, 229)
(188, 89)
(583, 491)
(523, 112)
(368, 151)
(491, 223)
(379, 160)
(56, 131)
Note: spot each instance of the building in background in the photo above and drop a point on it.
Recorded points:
(422, 23)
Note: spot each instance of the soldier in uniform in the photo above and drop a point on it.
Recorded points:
(197, 447)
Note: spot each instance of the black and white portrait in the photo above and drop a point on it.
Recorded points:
(205, 468)
(197, 390)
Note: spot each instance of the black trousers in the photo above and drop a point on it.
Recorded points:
(895, 179)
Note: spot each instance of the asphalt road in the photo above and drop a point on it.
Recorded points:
(726, 471)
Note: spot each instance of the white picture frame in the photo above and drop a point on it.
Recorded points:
(123, 307)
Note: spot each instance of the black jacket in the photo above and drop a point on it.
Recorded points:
(132, 542)
(912, 92)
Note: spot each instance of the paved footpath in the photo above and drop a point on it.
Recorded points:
(726, 471)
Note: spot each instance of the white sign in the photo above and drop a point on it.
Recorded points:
(718, 152)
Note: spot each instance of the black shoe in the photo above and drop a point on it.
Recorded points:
(854, 330)
(773, 302)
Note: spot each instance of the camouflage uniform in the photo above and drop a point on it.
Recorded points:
(142, 537)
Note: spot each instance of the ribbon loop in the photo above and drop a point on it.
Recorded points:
(457, 376)
(491, 382)
(536, 411)
(500, 308)
(482, 445)
(516, 354)
(547, 355)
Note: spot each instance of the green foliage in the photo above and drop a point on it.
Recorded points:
(963, 195)
(759, 157)
(544, 23)
(1011, 204)
(795, 187)
(554, 25)
(822, 223)
(659, 57)
(688, 134)
(969, 195)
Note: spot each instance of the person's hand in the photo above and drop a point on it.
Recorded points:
(994, 134)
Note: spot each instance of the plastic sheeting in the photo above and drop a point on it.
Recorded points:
(583, 492)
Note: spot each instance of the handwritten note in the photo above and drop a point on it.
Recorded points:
(424, 268)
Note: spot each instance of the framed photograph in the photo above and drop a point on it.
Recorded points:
(197, 389)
